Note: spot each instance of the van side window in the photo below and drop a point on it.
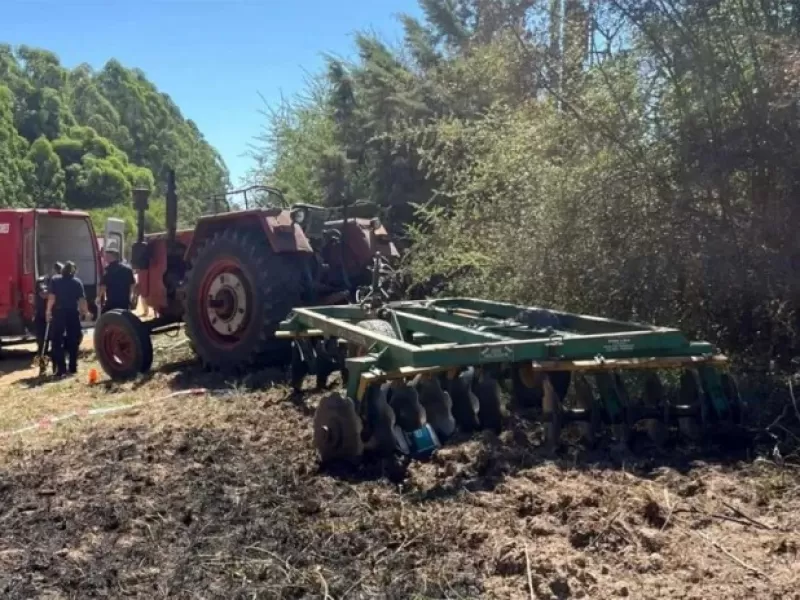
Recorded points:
(27, 252)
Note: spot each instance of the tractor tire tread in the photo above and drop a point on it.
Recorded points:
(276, 286)
(143, 346)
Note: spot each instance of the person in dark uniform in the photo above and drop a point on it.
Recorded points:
(66, 305)
(40, 316)
(118, 284)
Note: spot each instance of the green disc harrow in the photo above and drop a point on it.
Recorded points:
(444, 363)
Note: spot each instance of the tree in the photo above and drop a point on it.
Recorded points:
(633, 159)
(109, 130)
(14, 169)
(47, 178)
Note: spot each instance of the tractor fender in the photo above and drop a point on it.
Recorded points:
(283, 234)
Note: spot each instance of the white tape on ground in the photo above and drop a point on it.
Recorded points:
(48, 422)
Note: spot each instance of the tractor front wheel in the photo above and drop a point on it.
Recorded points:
(238, 291)
(122, 344)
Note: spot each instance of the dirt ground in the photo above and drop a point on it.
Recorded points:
(220, 496)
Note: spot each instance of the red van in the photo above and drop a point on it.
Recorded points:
(31, 241)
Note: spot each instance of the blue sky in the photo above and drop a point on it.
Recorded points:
(213, 57)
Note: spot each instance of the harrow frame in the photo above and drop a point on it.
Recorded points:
(443, 335)
(439, 335)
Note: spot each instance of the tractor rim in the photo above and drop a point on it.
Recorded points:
(225, 301)
(119, 347)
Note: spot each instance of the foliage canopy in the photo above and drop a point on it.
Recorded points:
(627, 158)
(83, 139)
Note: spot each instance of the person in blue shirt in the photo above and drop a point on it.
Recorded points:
(66, 306)
(118, 284)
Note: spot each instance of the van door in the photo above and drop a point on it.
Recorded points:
(9, 272)
(28, 264)
(115, 229)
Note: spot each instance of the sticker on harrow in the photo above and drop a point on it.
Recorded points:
(619, 345)
(496, 354)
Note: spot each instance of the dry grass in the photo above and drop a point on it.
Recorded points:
(220, 497)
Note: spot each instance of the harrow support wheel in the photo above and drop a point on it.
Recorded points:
(122, 344)
(353, 350)
(337, 430)
(401, 398)
(238, 292)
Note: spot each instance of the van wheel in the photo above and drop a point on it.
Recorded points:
(122, 344)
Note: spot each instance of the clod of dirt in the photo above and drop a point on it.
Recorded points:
(691, 488)
(126, 450)
(652, 540)
(111, 522)
(529, 505)
(309, 507)
(511, 562)
(475, 539)
(655, 562)
(581, 534)
(590, 501)
(540, 527)
(560, 588)
(622, 590)
(653, 514)
(784, 546)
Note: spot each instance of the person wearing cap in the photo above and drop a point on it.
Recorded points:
(66, 305)
(118, 285)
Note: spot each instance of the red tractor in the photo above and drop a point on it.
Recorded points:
(234, 277)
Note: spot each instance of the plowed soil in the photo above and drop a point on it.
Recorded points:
(220, 496)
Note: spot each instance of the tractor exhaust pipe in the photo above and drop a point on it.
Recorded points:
(141, 204)
(139, 258)
(172, 208)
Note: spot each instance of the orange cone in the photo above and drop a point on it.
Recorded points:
(93, 376)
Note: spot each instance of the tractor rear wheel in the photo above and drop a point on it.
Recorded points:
(238, 291)
(122, 344)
